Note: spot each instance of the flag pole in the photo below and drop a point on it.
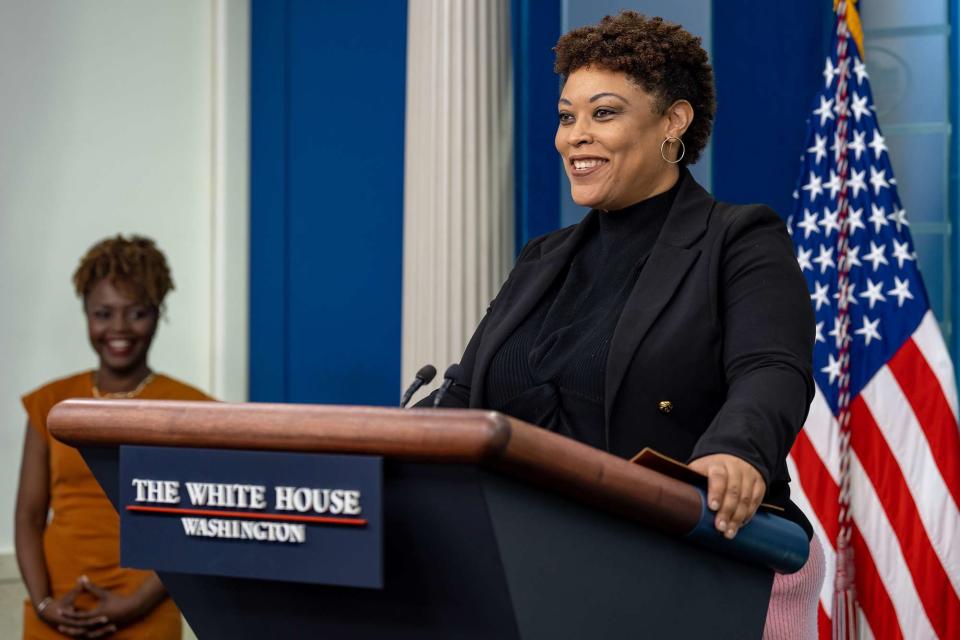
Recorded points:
(845, 597)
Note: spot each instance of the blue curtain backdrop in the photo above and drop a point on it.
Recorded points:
(327, 122)
(535, 27)
(767, 59)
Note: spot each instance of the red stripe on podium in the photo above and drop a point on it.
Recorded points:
(355, 522)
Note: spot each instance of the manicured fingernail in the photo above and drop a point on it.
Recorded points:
(722, 525)
(714, 504)
(731, 532)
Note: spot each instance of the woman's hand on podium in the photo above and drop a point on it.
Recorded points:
(734, 490)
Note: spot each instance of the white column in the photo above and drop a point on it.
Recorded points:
(230, 194)
(458, 182)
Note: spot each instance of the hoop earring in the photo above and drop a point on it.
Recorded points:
(683, 149)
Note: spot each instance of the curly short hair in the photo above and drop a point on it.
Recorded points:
(135, 261)
(661, 57)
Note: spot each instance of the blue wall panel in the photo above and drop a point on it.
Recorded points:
(535, 29)
(268, 201)
(337, 298)
(954, 177)
(767, 59)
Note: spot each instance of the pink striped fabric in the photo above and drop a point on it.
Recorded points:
(792, 614)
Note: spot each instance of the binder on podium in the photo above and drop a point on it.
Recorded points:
(486, 527)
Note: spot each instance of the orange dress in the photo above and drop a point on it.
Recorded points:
(83, 534)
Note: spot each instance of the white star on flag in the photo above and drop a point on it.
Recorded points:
(829, 71)
(809, 224)
(899, 217)
(901, 290)
(860, 70)
(835, 147)
(878, 143)
(855, 221)
(820, 295)
(873, 292)
(819, 337)
(835, 332)
(850, 296)
(819, 147)
(869, 330)
(853, 257)
(829, 221)
(825, 111)
(814, 186)
(833, 184)
(859, 106)
(878, 179)
(859, 144)
(832, 369)
(856, 183)
(876, 257)
(841, 108)
(825, 259)
(901, 252)
(803, 259)
(878, 217)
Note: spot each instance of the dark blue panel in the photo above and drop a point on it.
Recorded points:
(768, 58)
(268, 201)
(536, 27)
(347, 71)
(954, 93)
(327, 119)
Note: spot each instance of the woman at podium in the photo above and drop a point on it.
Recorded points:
(665, 319)
(70, 562)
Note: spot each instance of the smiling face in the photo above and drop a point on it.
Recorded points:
(609, 137)
(120, 326)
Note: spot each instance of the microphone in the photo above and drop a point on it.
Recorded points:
(452, 372)
(424, 376)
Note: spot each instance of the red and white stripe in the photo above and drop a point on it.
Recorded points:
(905, 492)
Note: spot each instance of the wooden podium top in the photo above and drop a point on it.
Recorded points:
(451, 436)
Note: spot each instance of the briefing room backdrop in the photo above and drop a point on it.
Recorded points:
(328, 138)
(132, 116)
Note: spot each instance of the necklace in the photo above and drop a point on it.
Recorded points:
(119, 395)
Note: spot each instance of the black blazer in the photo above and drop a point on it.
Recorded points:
(713, 350)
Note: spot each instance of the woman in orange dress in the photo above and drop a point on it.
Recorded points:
(67, 532)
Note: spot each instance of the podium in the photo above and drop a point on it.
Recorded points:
(492, 529)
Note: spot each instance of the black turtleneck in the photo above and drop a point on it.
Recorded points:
(550, 371)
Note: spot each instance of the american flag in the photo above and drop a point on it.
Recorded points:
(877, 465)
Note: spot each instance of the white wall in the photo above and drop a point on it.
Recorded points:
(120, 116)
